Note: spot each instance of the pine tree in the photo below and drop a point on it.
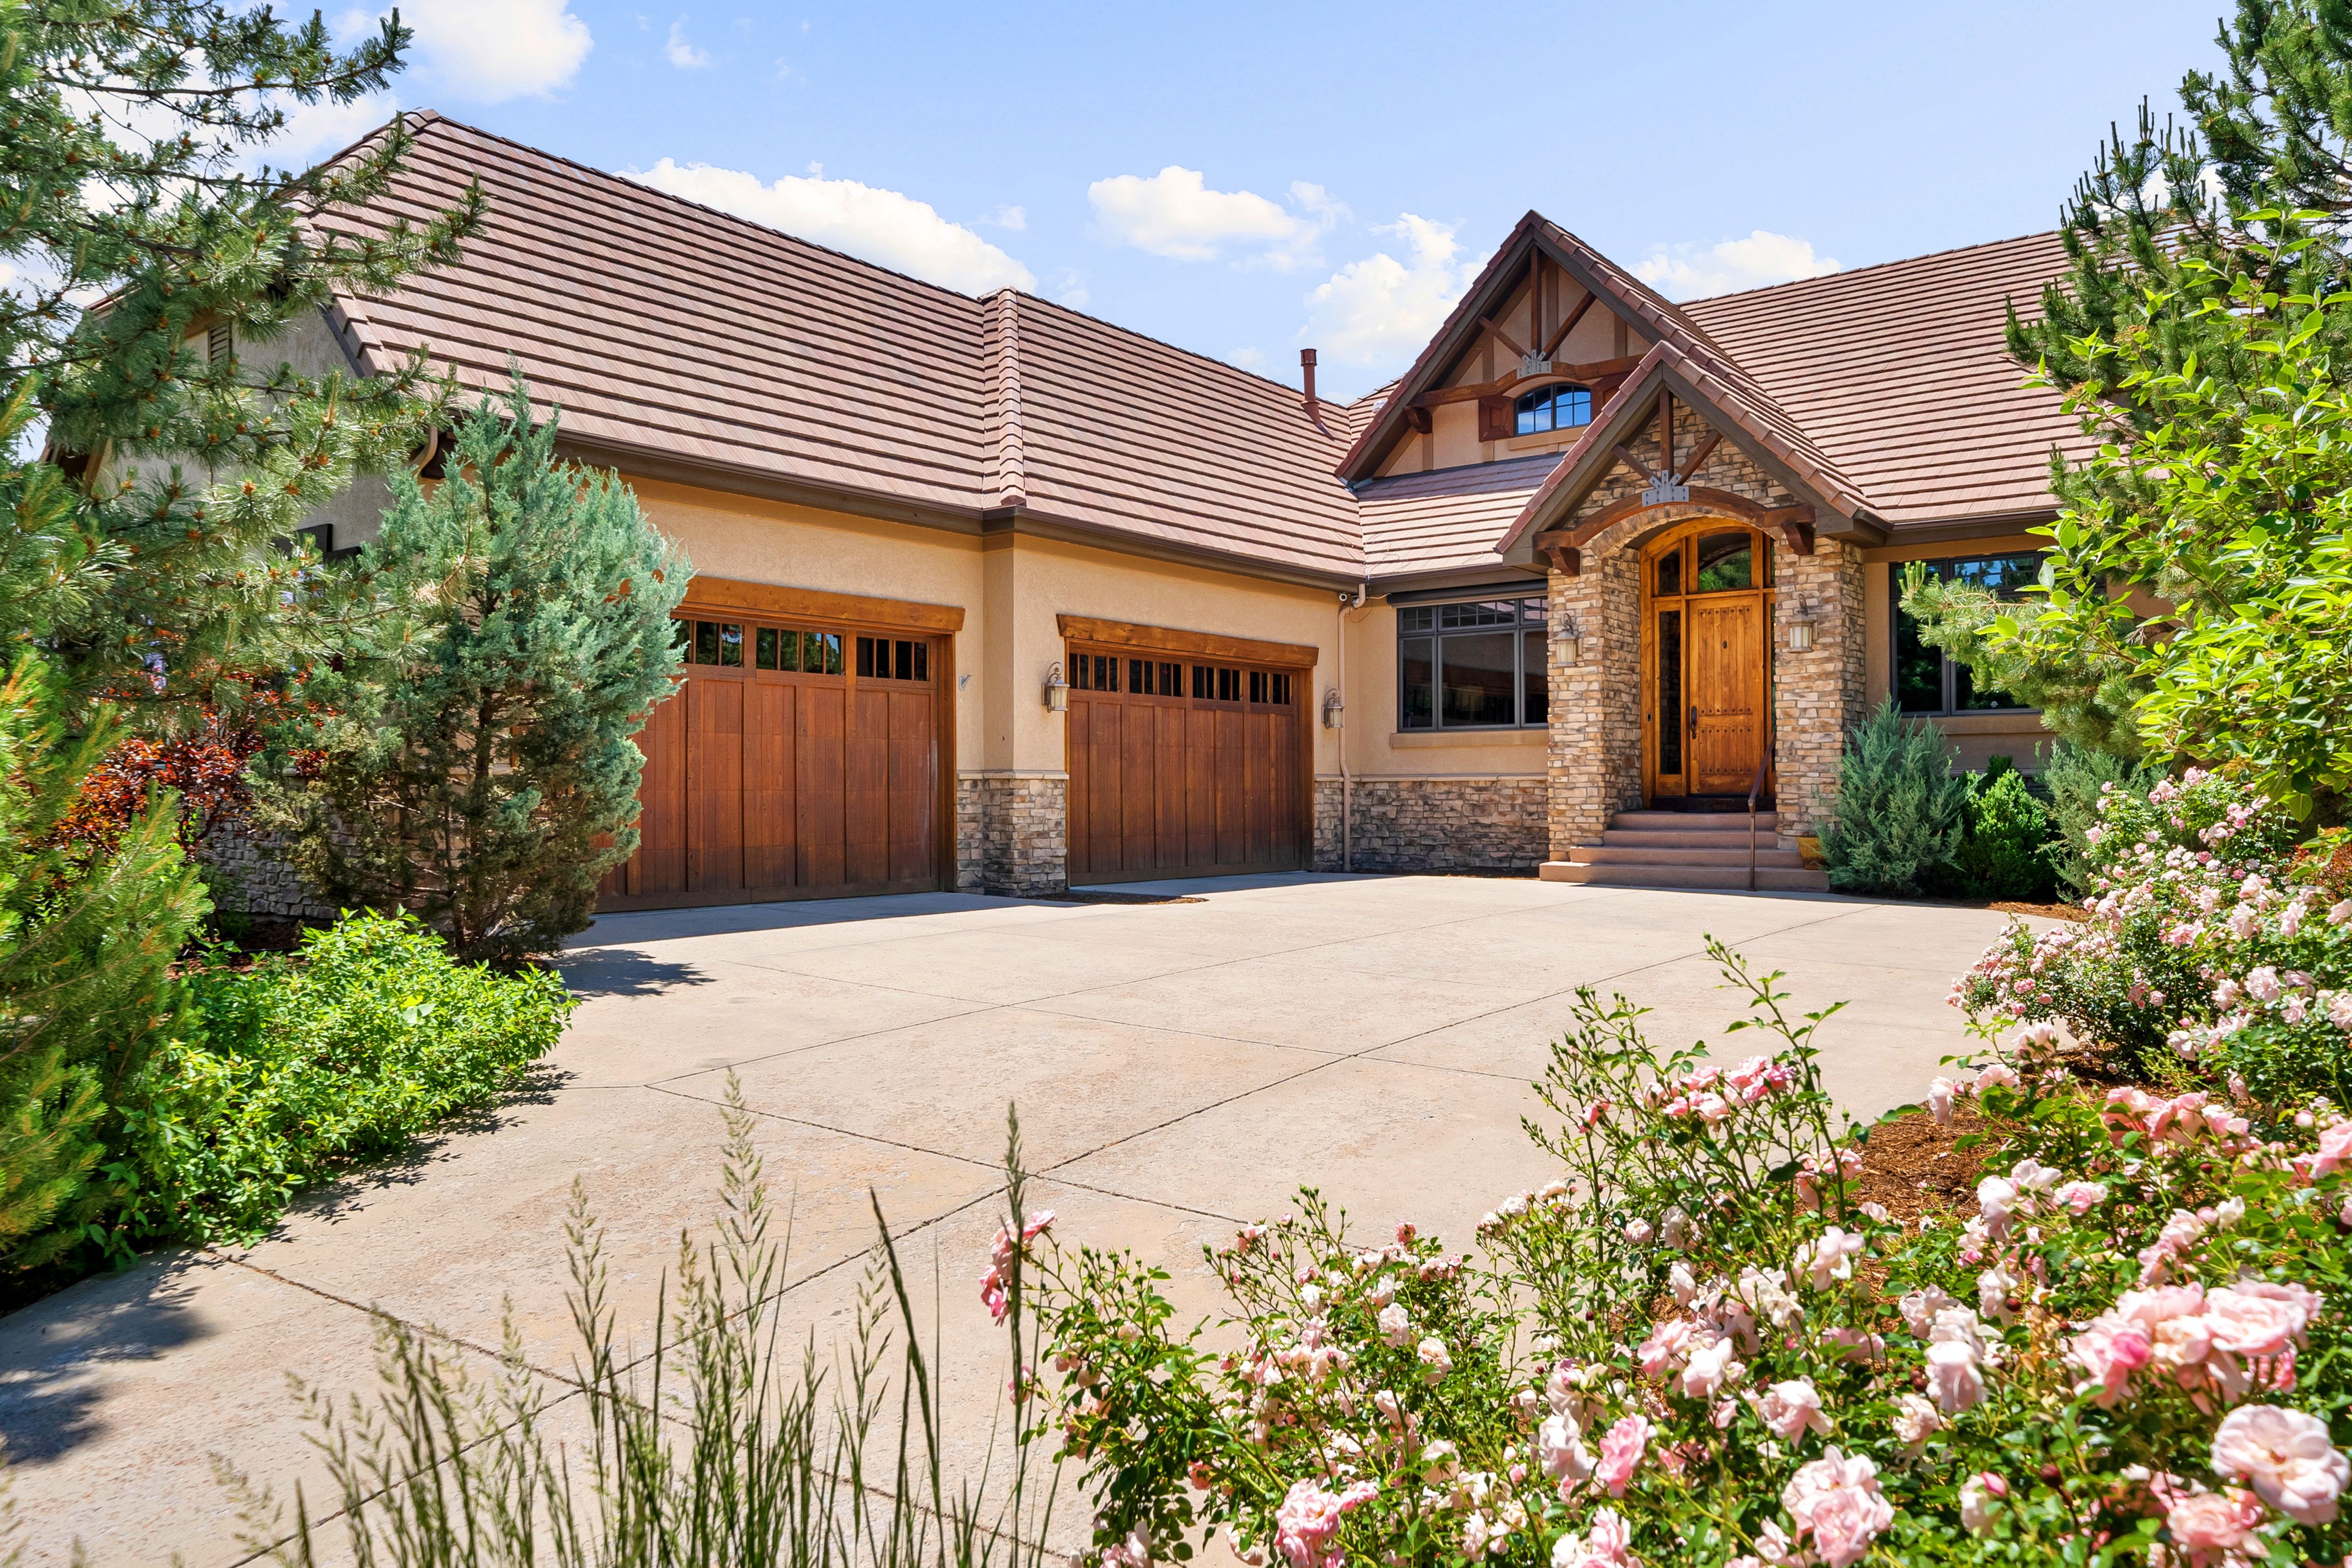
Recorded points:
(87, 939)
(2192, 247)
(141, 554)
(479, 765)
(126, 176)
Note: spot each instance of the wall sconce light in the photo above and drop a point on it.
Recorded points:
(1333, 708)
(1570, 638)
(1800, 631)
(1057, 690)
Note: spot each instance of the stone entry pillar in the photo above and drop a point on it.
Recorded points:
(1820, 694)
(1594, 756)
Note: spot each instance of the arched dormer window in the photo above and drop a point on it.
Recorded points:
(1563, 407)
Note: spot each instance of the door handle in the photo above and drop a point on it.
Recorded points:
(1694, 718)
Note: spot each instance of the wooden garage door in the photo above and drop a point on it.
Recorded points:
(793, 762)
(1180, 765)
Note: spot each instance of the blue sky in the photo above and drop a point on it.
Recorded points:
(1246, 180)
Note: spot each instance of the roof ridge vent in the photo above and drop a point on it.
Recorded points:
(1012, 455)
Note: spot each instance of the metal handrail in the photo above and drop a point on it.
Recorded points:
(1755, 788)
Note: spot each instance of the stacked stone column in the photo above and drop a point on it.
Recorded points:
(1820, 694)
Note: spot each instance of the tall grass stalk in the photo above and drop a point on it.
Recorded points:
(726, 1446)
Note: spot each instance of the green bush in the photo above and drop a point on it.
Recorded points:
(2006, 852)
(299, 1067)
(1899, 812)
(2076, 777)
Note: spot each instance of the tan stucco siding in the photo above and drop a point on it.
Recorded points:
(1976, 737)
(754, 540)
(1045, 579)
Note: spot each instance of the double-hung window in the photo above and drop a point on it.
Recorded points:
(1931, 683)
(1475, 665)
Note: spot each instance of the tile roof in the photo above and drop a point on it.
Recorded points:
(672, 330)
(1900, 375)
(1449, 518)
(692, 337)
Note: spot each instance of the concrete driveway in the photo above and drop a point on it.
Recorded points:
(1179, 1068)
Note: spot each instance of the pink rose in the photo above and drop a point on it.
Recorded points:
(1953, 1379)
(1837, 1500)
(2211, 1526)
(2082, 1197)
(2286, 1456)
(1940, 1092)
(2249, 1322)
(1308, 1522)
(1560, 1450)
(1790, 1409)
(1708, 1367)
(2335, 1150)
(1621, 1454)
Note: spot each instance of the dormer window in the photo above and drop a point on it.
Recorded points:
(1553, 408)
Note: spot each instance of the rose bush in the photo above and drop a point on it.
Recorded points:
(2215, 950)
(1697, 1346)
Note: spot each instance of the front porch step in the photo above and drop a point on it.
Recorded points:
(1688, 849)
(1769, 878)
(1692, 822)
(1650, 854)
(1736, 839)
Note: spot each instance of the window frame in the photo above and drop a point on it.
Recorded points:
(1530, 625)
(1948, 671)
(1550, 404)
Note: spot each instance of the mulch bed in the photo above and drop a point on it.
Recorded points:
(1913, 1167)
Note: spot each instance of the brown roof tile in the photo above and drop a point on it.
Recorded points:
(1447, 519)
(667, 328)
(1900, 375)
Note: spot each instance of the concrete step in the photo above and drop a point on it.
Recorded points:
(1769, 879)
(1692, 822)
(1647, 854)
(1704, 838)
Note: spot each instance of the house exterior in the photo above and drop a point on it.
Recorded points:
(989, 595)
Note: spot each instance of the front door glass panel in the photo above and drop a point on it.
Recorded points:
(1670, 691)
(1725, 561)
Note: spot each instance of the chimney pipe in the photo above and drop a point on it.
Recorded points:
(1306, 368)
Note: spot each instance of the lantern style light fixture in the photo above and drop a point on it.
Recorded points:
(1057, 690)
(1800, 629)
(1570, 638)
(1332, 708)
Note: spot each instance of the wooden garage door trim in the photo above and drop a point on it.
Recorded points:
(1204, 645)
(705, 595)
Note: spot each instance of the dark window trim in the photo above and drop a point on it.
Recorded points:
(1946, 670)
(1520, 631)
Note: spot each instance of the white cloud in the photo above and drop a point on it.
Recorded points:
(882, 226)
(1174, 213)
(1247, 359)
(1071, 290)
(493, 50)
(684, 55)
(1009, 218)
(1381, 310)
(1693, 272)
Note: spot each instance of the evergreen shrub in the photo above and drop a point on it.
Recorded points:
(1899, 813)
(300, 1067)
(2006, 850)
(2076, 777)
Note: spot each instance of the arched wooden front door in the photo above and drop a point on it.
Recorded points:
(1706, 711)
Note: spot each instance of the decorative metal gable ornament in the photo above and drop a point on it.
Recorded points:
(1665, 489)
(1532, 363)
